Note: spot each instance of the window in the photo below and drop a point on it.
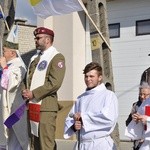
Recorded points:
(143, 27)
(114, 30)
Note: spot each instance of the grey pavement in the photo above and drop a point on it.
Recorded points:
(68, 145)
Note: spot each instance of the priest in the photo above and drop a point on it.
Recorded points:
(12, 73)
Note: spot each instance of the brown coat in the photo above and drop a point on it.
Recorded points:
(54, 77)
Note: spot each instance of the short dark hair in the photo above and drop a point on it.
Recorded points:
(93, 66)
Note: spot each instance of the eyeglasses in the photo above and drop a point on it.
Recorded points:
(143, 94)
(38, 38)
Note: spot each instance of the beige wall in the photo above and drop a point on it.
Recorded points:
(26, 38)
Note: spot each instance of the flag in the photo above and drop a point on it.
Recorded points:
(16, 116)
(13, 34)
(46, 8)
(1, 15)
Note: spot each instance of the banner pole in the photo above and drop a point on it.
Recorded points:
(86, 12)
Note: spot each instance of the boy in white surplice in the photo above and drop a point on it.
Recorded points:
(94, 115)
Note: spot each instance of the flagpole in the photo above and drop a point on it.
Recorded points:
(4, 18)
(86, 12)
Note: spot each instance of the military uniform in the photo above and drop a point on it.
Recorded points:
(47, 94)
(54, 77)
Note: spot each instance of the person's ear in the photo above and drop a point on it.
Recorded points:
(100, 78)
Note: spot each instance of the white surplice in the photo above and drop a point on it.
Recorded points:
(99, 112)
(146, 133)
(137, 130)
(11, 99)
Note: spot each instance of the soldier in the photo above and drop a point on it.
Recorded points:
(44, 78)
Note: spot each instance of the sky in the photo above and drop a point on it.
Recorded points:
(24, 11)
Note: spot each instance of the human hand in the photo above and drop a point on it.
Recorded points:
(3, 62)
(27, 94)
(77, 125)
(135, 117)
(143, 118)
(77, 116)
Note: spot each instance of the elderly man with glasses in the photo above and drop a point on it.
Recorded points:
(138, 114)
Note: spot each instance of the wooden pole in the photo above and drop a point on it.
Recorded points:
(86, 12)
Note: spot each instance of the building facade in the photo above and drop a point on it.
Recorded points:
(129, 28)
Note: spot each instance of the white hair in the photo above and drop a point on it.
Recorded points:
(144, 85)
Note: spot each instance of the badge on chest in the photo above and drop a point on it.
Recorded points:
(42, 65)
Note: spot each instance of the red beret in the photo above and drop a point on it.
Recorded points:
(42, 30)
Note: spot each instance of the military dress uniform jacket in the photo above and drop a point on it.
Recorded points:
(53, 80)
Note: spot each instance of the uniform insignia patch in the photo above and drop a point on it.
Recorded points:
(60, 64)
(42, 65)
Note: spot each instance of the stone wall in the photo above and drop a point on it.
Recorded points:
(26, 40)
